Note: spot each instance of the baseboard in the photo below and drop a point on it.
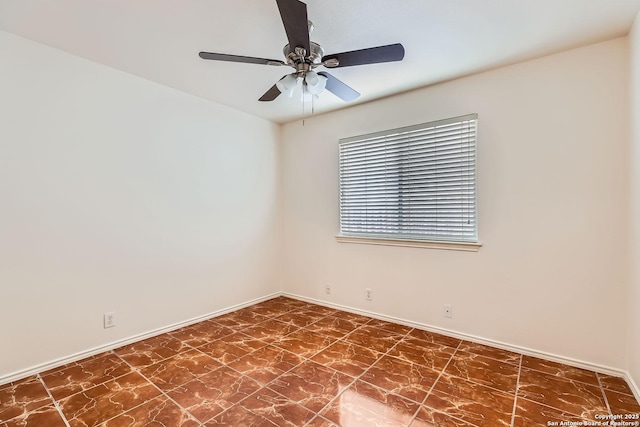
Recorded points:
(634, 386)
(473, 338)
(14, 376)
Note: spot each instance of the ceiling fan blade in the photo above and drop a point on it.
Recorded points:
(372, 55)
(271, 94)
(238, 58)
(294, 19)
(339, 89)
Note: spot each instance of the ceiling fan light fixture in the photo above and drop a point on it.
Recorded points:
(287, 84)
(315, 83)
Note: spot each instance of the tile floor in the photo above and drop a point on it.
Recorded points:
(285, 362)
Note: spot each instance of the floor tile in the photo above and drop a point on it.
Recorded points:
(434, 338)
(201, 333)
(21, 397)
(485, 371)
(152, 350)
(180, 369)
(319, 421)
(324, 311)
(277, 409)
(103, 402)
(471, 402)
(573, 397)
(388, 326)
(85, 374)
(295, 303)
(271, 308)
(209, 395)
(403, 378)
(332, 326)
(159, 412)
(238, 415)
(374, 338)
(270, 330)
(232, 347)
(490, 352)
(365, 405)
(239, 320)
(560, 370)
(304, 343)
(351, 317)
(311, 385)
(300, 318)
(615, 384)
(47, 416)
(348, 358)
(429, 354)
(266, 364)
(621, 403)
(530, 414)
(428, 417)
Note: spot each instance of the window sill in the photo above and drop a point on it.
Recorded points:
(428, 244)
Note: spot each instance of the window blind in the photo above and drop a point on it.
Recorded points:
(417, 182)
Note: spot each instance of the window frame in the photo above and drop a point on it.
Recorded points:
(412, 240)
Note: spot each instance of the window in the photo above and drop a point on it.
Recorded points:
(413, 183)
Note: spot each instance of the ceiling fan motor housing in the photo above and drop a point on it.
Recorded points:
(303, 61)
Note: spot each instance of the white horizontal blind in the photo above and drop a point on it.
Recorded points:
(416, 182)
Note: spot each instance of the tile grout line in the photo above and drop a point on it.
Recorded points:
(515, 399)
(434, 385)
(442, 372)
(604, 395)
(308, 359)
(162, 392)
(55, 402)
(563, 378)
(546, 405)
(270, 344)
(355, 379)
(342, 339)
(415, 414)
(403, 336)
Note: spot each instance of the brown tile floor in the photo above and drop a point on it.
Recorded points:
(285, 362)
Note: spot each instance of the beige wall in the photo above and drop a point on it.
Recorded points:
(634, 288)
(118, 194)
(553, 200)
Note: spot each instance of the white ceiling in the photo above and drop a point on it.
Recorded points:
(159, 40)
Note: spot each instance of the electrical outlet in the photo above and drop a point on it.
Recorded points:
(368, 294)
(327, 289)
(110, 319)
(448, 310)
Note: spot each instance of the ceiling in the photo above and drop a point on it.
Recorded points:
(159, 40)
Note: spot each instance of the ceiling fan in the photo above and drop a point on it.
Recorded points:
(305, 56)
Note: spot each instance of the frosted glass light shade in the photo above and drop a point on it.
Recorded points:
(287, 84)
(315, 82)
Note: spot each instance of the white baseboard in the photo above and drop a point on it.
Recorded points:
(473, 338)
(634, 386)
(14, 376)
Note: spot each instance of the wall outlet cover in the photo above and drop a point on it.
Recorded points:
(110, 319)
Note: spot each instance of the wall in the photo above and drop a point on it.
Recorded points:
(553, 145)
(118, 194)
(634, 287)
